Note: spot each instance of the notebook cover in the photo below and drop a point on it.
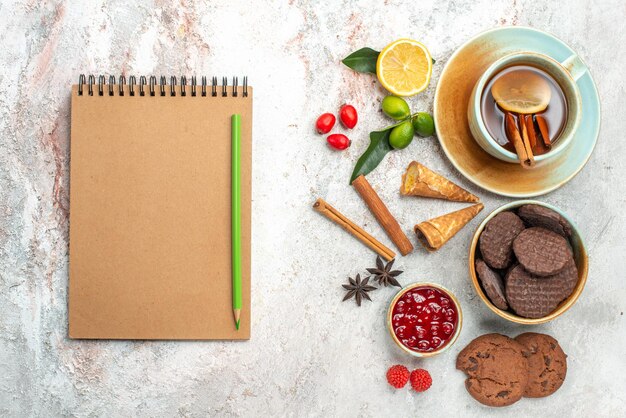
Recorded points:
(150, 247)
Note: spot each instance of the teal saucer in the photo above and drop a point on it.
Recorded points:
(454, 88)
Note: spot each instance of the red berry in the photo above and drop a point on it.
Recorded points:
(420, 380)
(338, 141)
(325, 123)
(348, 116)
(397, 376)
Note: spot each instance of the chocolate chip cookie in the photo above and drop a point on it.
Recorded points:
(547, 364)
(531, 296)
(541, 251)
(535, 215)
(492, 284)
(497, 238)
(496, 368)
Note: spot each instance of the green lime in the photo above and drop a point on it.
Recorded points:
(395, 107)
(423, 124)
(401, 136)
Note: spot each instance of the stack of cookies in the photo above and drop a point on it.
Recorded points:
(501, 370)
(525, 261)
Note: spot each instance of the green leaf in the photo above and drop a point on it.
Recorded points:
(433, 60)
(374, 154)
(363, 60)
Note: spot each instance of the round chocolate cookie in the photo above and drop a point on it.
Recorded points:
(547, 364)
(497, 238)
(535, 215)
(568, 276)
(496, 368)
(492, 284)
(541, 251)
(534, 297)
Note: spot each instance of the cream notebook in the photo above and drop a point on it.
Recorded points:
(150, 219)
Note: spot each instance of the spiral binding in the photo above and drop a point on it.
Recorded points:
(151, 84)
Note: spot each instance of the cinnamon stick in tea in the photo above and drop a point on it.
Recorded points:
(545, 133)
(532, 133)
(525, 138)
(334, 215)
(382, 214)
(513, 134)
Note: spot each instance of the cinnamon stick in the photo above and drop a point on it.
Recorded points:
(513, 134)
(382, 214)
(532, 133)
(545, 133)
(525, 139)
(334, 215)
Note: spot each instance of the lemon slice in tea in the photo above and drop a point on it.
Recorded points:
(404, 67)
(521, 91)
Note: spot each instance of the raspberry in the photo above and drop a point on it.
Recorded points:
(397, 376)
(420, 380)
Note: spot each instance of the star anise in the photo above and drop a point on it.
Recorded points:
(384, 274)
(358, 288)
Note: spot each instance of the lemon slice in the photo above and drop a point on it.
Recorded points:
(404, 67)
(521, 91)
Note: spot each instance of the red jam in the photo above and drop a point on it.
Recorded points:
(424, 319)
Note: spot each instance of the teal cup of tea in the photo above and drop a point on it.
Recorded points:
(563, 73)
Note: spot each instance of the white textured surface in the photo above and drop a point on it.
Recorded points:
(309, 354)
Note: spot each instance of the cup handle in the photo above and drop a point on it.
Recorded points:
(574, 66)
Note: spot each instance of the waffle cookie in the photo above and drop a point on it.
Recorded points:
(531, 296)
(492, 284)
(497, 238)
(541, 251)
(535, 215)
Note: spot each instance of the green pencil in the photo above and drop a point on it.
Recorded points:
(236, 214)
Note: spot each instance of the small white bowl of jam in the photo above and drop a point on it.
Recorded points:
(424, 319)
